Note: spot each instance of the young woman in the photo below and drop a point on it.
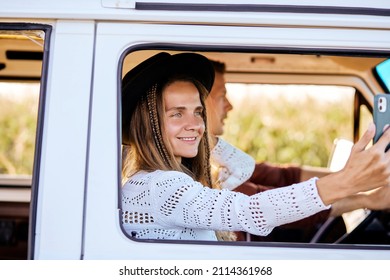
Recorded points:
(168, 193)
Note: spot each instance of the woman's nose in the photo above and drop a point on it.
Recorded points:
(193, 123)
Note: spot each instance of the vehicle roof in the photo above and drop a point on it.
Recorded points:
(227, 12)
(280, 13)
(21, 58)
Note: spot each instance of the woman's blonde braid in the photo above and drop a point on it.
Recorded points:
(152, 107)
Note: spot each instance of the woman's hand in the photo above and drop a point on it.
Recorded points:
(366, 169)
(369, 168)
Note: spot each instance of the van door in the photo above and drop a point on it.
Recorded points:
(58, 200)
(103, 236)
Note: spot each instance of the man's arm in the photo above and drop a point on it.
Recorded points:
(308, 172)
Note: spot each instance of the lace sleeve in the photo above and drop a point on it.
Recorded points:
(234, 166)
(183, 202)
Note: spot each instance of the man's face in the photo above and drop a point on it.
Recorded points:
(218, 105)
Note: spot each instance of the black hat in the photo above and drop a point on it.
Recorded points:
(157, 69)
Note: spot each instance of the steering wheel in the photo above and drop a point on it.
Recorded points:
(359, 229)
(329, 227)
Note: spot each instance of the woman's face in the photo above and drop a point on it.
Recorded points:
(183, 120)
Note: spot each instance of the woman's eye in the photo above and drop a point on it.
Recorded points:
(199, 112)
(176, 115)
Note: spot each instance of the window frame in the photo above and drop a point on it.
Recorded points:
(43, 80)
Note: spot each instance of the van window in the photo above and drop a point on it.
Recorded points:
(259, 122)
(18, 120)
(298, 110)
(383, 72)
(21, 56)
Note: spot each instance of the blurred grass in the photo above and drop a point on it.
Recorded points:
(294, 127)
(18, 120)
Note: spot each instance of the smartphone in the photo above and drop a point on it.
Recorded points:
(381, 114)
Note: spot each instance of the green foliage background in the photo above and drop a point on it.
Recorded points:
(18, 120)
(287, 129)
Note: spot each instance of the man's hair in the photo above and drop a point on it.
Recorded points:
(219, 67)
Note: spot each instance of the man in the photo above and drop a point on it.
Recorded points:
(266, 176)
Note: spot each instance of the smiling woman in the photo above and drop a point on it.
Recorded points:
(184, 118)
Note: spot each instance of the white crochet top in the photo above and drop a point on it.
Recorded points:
(171, 205)
(234, 166)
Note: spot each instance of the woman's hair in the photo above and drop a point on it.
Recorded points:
(149, 147)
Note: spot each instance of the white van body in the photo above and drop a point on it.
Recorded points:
(74, 204)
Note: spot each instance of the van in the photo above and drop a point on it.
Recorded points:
(60, 161)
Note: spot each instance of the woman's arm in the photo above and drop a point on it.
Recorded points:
(233, 166)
